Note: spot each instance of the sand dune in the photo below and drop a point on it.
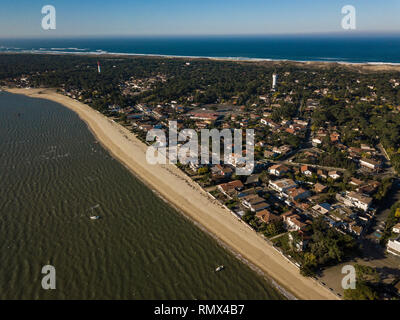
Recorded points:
(183, 193)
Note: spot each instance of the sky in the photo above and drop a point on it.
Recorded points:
(23, 18)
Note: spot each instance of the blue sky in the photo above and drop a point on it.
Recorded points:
(22, 18)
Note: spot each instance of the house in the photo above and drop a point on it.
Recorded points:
(306, 170)
(287, 214)
(227, 188)
(322, 208)
(270, 123)
(282, 150)
(253, 179)
(269, 154)
(316, 142)
(396, 228)
(369, 188)
(370, 164)
(259, 206)
(342, 213)
(299, 240)
(278, 170)
(334, 137)
(356, 182)
(206, 117)
(248, 192)
(355, 228)
(322, 174)
(298, 194)
(267, 217)
(334, 175)
(222, 171)
(358, 200)
(290, 130)
(293, 222)
(282, 185)
(367, 148)
(393, 246)
(288, 219)
(251, 201)
(319, 188)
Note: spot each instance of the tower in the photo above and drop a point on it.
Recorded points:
(274, 79)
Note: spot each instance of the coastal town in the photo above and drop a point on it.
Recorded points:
(323, 177)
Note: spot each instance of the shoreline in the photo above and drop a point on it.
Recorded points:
(186, 196)
(368, 65)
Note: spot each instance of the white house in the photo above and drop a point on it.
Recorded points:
(282, 185)
(393, 246)
(396, 228)
(278, 170)
(359, 201)
(334, 175)
(316, 142)
(370, 164)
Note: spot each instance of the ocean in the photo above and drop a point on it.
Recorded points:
(54, 175)
(345, 47)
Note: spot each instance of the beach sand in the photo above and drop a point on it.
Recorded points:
(179, 190)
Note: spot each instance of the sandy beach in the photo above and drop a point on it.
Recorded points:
(179, 190)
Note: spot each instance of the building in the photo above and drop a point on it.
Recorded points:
(270, 123)
(274, 81)
(293, 222)
(299, 240)
(322, 208)
(355, 228)
(232, 186)
(316, 142)
(370, 164)
(334, 175)
(206, 117)
(356, 182)
(282, 185)
(282, 150)
(252, 200)
(298, 194)
(278, 170)
(319, 188)
(267, 217)
(396, 228)
(358, 200)
(322, 174)
(222, 171)
(393, 246)
(253, 179)
(259, 206)
(306, 170)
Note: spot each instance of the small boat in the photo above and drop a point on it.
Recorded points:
(219, 268)
(93, 217)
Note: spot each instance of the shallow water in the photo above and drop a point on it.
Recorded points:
(53, 177)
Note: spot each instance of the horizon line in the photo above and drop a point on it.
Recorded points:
(328, 33)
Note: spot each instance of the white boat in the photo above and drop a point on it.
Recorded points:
(93, 217)
(219, 268)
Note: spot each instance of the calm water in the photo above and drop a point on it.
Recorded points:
(346, 47)
(52, 172)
